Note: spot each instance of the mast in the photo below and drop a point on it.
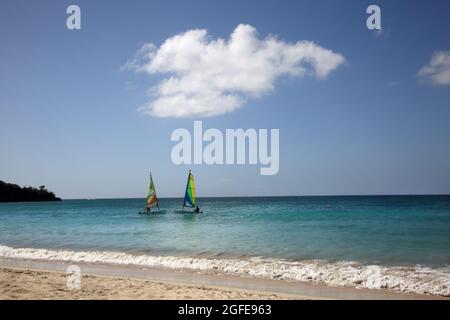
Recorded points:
(185, 192)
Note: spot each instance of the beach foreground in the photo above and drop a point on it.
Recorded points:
(41, 279)
(34, 284)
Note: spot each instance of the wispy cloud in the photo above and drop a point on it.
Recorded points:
(140, 59)
(437, 71)
(208, 77)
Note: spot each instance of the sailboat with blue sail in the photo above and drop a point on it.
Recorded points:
(189, 196)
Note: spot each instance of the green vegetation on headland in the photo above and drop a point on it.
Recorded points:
(13, 193)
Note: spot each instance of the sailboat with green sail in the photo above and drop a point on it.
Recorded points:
(152, 199)
(189, 196)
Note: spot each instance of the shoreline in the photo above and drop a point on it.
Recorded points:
(421, 281)
(146, 281)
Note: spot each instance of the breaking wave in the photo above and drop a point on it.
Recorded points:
(421, 280)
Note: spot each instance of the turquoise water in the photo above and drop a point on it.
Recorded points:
(383, 230)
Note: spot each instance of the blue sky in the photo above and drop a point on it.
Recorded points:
(69, 118)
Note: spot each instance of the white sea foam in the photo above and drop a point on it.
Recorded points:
(422, 280)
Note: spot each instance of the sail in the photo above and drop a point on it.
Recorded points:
(189, 196)
(152, 200)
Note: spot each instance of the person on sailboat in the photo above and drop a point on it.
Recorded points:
(197, 209)
(146, 210)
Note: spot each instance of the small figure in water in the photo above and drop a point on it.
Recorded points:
(147, 209)
(197, 209)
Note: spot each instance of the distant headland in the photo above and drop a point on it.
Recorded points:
(13, 193)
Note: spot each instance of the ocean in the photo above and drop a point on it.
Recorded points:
(398, 243)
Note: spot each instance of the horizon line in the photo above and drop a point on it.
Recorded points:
(279, 196)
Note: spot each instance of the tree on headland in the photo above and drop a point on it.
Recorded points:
(13, 193)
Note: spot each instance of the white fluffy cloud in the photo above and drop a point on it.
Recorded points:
(206, 77)
(437, 71)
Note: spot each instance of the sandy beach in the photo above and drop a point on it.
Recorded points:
(40, 279)
(32, 284)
